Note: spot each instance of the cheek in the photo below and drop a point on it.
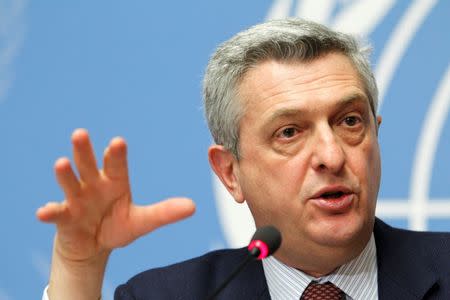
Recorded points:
(272, 186)
(367, 169)
(277, 172)
(375, 171)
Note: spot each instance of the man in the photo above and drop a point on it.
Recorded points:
(292, 109)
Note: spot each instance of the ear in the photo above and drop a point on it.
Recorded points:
(379, 119)
(226, 167)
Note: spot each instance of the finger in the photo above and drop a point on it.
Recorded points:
(84, 156)
(148, 218)
(115, 164)
(52, 212)
(66, 178)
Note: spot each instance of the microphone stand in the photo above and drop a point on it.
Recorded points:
(252, 254)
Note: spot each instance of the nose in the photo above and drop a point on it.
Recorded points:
(328, 154)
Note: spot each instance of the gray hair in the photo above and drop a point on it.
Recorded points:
(280, 40)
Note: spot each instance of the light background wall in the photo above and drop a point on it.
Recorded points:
(134, 68)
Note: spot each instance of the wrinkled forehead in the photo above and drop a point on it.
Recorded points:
(309, 66)
(270, 76)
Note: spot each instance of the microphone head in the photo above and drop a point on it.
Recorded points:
(265, 242)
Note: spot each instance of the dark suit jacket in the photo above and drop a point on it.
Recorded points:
(411, 265)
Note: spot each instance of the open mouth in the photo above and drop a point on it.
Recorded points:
(332, 195)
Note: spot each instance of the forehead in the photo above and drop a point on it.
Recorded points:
(271, 86)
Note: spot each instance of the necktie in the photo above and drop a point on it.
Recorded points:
(325, 291)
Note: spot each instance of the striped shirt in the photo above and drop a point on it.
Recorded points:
(357, 278)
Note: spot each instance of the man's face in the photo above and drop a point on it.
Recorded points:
(310, 160)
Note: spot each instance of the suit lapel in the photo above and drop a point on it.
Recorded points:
(401, 273)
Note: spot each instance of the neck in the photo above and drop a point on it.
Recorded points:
(320, 260)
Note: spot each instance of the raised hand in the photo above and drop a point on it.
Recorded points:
(97, 214)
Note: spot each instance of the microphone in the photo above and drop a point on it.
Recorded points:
(265, 241)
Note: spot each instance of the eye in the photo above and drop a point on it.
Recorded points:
(352, 121)
(287, 132)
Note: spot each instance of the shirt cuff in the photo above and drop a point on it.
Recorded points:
(45, 295)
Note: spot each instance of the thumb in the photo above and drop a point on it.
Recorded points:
(145, 219)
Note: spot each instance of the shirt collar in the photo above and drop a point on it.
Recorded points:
(357, 278)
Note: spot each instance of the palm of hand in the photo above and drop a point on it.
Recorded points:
(98, 214)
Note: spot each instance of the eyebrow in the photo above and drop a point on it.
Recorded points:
(352, 99)
(346, 101)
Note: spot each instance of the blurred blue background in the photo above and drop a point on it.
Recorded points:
(134, 69)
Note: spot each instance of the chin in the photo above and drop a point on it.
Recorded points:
(341, 232)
